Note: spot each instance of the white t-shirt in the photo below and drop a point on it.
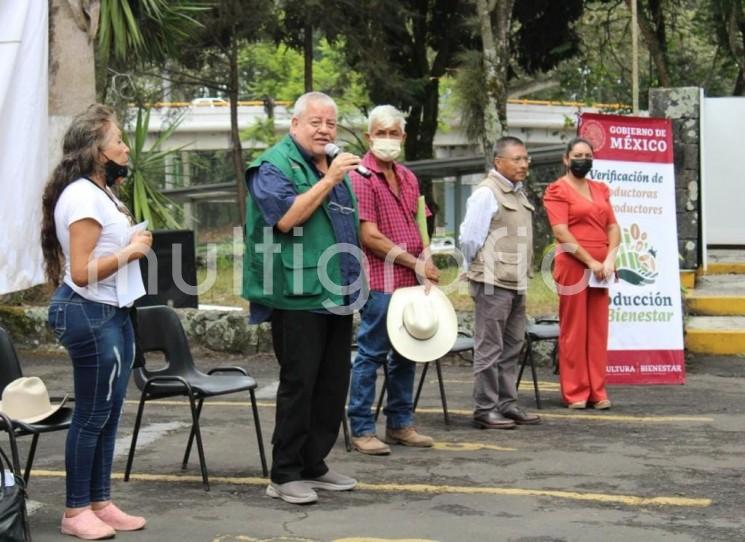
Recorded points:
(83, 199)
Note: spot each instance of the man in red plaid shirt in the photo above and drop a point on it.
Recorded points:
(387, 203)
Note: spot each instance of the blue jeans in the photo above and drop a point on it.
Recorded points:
(373, 349)
(100, 341)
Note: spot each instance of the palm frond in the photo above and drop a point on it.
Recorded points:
(146, 201)
(123, 25)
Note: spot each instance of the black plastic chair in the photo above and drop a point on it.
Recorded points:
(160, 330)
(543, 329)
(10, 370)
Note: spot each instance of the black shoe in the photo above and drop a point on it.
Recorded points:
(493, 420)
(521, 417)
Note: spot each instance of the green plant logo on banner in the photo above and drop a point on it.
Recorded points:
(636, 262)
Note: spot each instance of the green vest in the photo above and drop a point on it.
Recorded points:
(282, 270)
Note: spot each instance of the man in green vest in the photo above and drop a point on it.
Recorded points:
(301, 271)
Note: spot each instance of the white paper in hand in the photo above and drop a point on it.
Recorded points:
(129, 286)
(595, 282)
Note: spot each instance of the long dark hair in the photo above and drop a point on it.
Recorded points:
(81, 144)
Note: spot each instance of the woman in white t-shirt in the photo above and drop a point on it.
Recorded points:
(91, 252)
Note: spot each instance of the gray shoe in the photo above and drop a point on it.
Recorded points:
(332, 481)
(295, 492)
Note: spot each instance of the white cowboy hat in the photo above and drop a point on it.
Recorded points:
(26, 400)
(421, 327)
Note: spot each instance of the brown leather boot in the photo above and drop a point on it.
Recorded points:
(408, 437)
(370, 445)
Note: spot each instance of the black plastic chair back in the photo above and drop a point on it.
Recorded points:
(160, 330)
(10, 370)
(10, 366)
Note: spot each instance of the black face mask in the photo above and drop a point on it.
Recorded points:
(580, 166)
(114, 171)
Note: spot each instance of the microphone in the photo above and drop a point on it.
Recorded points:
(332, 151)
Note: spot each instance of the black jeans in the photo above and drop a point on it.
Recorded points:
(313, 351)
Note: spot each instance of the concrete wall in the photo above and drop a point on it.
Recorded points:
(682, 106)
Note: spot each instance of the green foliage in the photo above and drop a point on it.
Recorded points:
(140, 191)
(469, 93)
(276, 71)
(146, 29)
(262, 131)
(227, 25)
(404, 48)
(543, 33)
(601, 71)
(351, 138)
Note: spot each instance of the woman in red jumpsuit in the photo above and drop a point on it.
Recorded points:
(587, 236)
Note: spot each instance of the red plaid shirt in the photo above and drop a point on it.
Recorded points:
(395, 217)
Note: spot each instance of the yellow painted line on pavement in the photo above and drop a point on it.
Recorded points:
(469, 447)
(599, 417)
(170, 402)
(245, 538)
(622, 418)
(430, 489)
(543, 386)
(594, 417)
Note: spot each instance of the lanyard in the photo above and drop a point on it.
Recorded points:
(119, 206)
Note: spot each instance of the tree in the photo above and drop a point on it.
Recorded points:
(276, 72)
(728, 20)
(303, 22)
(402, 49)
(211, 55)
(519, 40)
(123, 25)
(681, 33)
(654, 32)
(117, 27)
(495, 18)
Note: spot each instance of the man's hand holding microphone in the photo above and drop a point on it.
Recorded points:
(341, 163)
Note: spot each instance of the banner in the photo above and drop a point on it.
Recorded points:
(634, 156)
(23, 140)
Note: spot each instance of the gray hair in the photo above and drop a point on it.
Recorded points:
(386, 116)
(301, 104)
(504, 142)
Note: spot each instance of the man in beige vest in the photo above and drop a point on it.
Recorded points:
(496, 239)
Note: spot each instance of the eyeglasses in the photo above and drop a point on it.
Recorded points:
(517, 159)
(333, 206)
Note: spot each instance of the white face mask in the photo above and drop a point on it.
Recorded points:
(386, 149)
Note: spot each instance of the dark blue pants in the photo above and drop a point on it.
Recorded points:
(100, 341)
(374, 349)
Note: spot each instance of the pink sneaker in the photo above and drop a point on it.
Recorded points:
(87, 526)
(114, 517)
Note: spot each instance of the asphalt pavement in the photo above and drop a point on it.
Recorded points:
(665, 463)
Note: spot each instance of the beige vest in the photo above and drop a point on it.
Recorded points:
(506, 259)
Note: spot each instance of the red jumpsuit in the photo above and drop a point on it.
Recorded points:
(583, 311)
